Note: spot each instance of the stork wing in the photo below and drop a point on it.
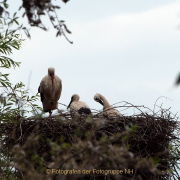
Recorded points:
(58, 88)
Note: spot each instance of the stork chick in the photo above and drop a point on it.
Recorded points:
(50, 90)
(78, 108)
(108, 110)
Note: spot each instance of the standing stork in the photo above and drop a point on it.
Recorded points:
(50, 90)
(108, 110)
(78, 108)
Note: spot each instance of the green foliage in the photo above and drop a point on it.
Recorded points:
(7, 43)
(14, 99)
(6, 171)
(10, 24)
(79, 132)
(175, 156)
(34, 11)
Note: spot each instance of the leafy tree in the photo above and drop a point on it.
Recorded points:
(34, 10)
(13, 95)
(14, 100)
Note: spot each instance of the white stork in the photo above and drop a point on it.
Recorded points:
(108, 110)
(78, 108)
(50, 90)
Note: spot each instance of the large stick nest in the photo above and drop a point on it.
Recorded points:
(151, 139)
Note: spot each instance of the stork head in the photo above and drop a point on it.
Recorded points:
(51, 72)
(98, 99)
(75, 97)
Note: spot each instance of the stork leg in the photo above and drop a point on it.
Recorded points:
(50, 113)
(49, 110)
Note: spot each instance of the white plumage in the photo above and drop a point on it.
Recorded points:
(108, 110)
(78, 108)
(50, 90)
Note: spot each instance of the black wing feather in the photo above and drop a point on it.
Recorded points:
(42, 95)
(84, 110)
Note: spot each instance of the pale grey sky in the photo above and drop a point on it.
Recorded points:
(125, 50)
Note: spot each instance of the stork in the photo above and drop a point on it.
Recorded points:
(50, 90)
(108, 110)
(78, 108)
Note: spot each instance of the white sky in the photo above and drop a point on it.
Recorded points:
(126, 51)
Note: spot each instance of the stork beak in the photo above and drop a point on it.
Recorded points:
(69, 104)
(52, 78)
(101, 102)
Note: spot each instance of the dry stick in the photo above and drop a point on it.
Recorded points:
(121, 106)
(137, 107)
(177, 175)
(157, 100)
(27, 130)
(21, 131)
(62, 104)
(94, 110)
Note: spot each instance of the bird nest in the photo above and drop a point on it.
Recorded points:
(139, 143)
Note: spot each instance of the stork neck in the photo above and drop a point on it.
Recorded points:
(106, 103)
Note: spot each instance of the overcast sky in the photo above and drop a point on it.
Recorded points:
(124, 50)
